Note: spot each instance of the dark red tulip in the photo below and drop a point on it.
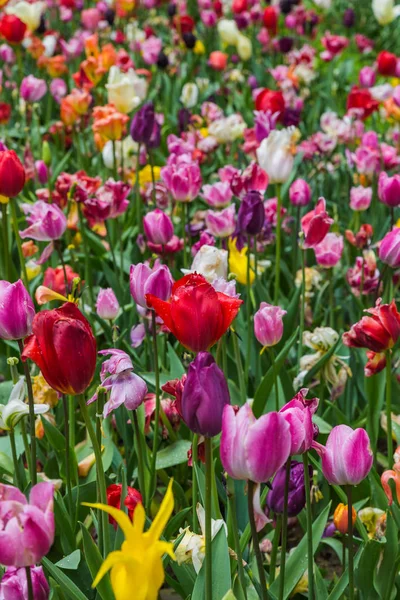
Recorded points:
(133, 498)
(270, 100)
(12, 29)
(387, 63)
(363, 100)
(12, 174)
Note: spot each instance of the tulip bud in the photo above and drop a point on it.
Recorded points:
(367, 77)
(251, 215)
(388, 189)
(143, 124)
(158, 227)
(341, 517)
(268, 325)
(297, 490)
(349, 17)
(205, 395)
(329, 251)
(299, 193)
(12, 174)
(42, 171)
(387, 62)
(16, 311)
(14, 585)
(46, 153)
(107, 306)
(12, 28)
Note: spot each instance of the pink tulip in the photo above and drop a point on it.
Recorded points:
(107, 306)
(217, 195)
(253, 449)
(158, 227)
(389, 249)
(389, 189)
(316, 224)
(26, 530)
(90, 18)
(329, 251)
(298, 413)
(183, 179)
(367, 77)
(14, 586)
(347, 457)
(144, 280)
(16, 311)
(299, 193)
(151, 48)
(360, 197)
(46, 221)
(268, 325)
(58, 89)
(222, 223)
(32, 89)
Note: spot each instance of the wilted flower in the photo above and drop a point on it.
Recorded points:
(16, 408)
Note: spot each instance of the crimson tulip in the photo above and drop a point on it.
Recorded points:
(63, 347)
(196, 314)
(270, 100)
(12, 174)
(362, 99)
(378, 331)
(387, 63)
(12, 29)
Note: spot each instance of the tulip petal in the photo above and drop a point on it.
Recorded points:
(122, 518)
(162, 308)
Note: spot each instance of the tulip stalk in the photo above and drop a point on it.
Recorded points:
(6, 254)
(195, 441)
(100, 471)
(88, 276)
(15, 459)
(67, 453)
(140, 456)
(31, 405)
(278, 243)
(389, 405)
(19, 243)
(29, 583)
(302, 307)
(274, 553)
(310, 548)
(208, 538)
(248, 313)
(235, 528)
(284, 531)
(350, 542)
(157, 410)
(256, 545)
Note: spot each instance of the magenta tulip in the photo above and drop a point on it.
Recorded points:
(144, 280)
(389, 249)
(299, 193)
(268, 324)
(158, 227)
(16, 311)
(222, 223)
(251, 448)
(298, 414)
(14, 585)
(389, 189)
(329, 251)
(46, 221)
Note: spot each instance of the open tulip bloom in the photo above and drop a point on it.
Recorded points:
(199, 299)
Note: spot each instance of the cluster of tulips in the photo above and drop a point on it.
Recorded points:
(199, 281)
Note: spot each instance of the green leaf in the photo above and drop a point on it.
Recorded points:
(5, 391)
(54, 437)
(69, 588)
(338, 591)
(174, 523)
(6, 463)
(176, 369)
(321, 592)
(364, 575)
(323, 426)
(94, 561)
(266, 385)
(221, 570)
(375, 394)
(297, 562)
(70, 562)
(172, 455)
(385, 576)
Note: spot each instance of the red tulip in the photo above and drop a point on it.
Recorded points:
(12, 174)
(315, 224)
(270, 19)
(12, 28)
(5, 112)
(196, 314)
(378, 331)
(363, 100)
(64, 348)
(133, 498)
(387, 62)
(270, 100)
(183, 23)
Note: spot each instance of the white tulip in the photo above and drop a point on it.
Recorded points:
(189, 95)
(228, 31)
(125, 153)
(210, 262)
(385, 11)
(30, 14)
(15, 409)
(244, 47)
(275, 154)
(227, 129)
(125, 90)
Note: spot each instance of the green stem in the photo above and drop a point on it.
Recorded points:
(14, 217)
(284, 531)
(88, 273)
(239, 366)
(310, 550)
(153, 181)
(115, 166)
(302, 307)
(6, 250)
(256, 545)
(100, 471)
(275, 374)
(195, 441)
(331, 298)
(140, 456)
(278, 244)
(67, 454)
(137, 193)
(274, 553)
(15, 458)
(208, 539)
(26, 445)
(389, 406)
(153, 475)
(350, 542)
(248, 314)
(238, 550)
(29, 583)
(71, 409)
(185, 244)
(31, 417)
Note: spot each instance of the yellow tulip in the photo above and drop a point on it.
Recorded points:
(238, 263)
(137, 568)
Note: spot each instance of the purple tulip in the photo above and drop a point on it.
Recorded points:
(347, 457)
(16, 311)
(298, 414)
(144, 280)
(26, 530)
(221, 224)
(46, 222)
(205, 394)
(251, 215)
(107, 306)
(389, 249)
(158, 227)
(264, 123)
(13, 585)
(268, 325)
(138, 333)
(118, 378)
(251, 448)
(32, 89)
(299, 193)
(389, 189)
(297, 490)
(42, 171)
(144, 124)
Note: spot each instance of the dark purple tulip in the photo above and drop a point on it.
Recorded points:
(142, 125)
(349, 17)
(297, 492)
(285, 44)
(251, 215)
(204, 396)
(184, 117)
(291, 116)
